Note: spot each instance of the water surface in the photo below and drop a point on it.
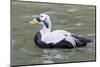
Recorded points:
(78, 19)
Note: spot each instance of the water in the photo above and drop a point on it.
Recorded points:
(77, 19)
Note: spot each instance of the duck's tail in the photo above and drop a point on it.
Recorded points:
(81, 41)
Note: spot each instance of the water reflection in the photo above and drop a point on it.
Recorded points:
(50, 55)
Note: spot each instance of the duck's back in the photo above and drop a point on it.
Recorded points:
(55, 36)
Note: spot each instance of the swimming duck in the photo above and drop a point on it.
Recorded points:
(56, 39)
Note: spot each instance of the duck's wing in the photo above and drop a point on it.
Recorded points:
(58, 35)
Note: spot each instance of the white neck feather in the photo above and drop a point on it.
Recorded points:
(44, 31)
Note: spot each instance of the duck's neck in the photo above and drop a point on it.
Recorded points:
(44, 31)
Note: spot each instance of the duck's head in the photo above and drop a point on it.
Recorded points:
(42, 19)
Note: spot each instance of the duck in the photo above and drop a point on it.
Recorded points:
(46, 38)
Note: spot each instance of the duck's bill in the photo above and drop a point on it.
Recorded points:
(34, 21)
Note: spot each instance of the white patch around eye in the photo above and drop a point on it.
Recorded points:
(42, 18)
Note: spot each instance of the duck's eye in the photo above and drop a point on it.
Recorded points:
(41, 16)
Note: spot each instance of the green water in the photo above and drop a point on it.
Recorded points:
(78, 19)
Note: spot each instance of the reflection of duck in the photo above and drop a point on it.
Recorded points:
(56, 39)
